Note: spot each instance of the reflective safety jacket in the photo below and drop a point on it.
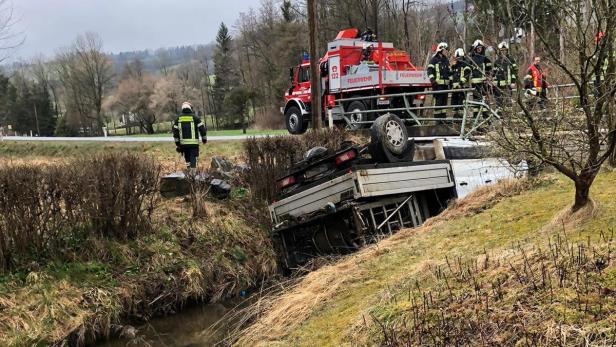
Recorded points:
(505, 71)
(604, 67)
(438, 70)
(186, 130)
(536, 78)
(460, 74)
(481, 68)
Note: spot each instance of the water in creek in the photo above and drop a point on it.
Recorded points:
(199, 326)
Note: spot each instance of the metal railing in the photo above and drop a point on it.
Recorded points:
(473, 111)
(476, 112)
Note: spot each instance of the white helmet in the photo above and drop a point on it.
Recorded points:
(187, 106)
(442, 46)
(478, 43)
(459, 53)
(503, 45)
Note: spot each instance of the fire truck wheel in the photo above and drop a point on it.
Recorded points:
(357, 116)
(389, 140)
(295, 121)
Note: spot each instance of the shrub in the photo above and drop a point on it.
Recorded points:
(43, 207)
(268, 158)
(119, 192)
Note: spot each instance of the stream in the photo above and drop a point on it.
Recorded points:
(197, 326)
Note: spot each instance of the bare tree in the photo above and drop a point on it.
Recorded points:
(9, 40)
(133, 98)
(85, 73)
(578, 140)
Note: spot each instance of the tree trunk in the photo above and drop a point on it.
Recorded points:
(582, 193)
(531, 44)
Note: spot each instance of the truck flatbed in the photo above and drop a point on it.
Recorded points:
(364, 182)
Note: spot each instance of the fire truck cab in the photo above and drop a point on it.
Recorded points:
(361, 79)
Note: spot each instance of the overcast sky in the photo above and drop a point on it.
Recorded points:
(124, 25)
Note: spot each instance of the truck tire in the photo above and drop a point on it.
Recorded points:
(356, 106)
(295, 121)
(389, 140)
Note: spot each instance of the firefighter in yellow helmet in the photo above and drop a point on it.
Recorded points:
(187, 127)
(439, 74)
(460, 78)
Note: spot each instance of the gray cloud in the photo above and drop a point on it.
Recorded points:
(124, 25)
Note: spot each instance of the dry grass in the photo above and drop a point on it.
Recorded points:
(281, 314)
(396, 292)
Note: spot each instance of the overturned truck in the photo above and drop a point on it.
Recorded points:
(334, 202)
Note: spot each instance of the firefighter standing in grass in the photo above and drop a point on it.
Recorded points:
(187, 128)
(460, 78)
(505, 75)
(439, 74)
(481, 69)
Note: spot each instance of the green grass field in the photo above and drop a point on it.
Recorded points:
(214, 133)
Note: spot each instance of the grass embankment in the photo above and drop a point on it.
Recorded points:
(37, 151)
(504, 266)
(95, 283)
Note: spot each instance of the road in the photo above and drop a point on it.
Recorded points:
(123, 138)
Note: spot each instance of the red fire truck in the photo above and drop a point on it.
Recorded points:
(360, 80)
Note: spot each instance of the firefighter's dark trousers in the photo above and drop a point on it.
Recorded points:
(440, 100)
(191, 153)
(503, 96)
(479, 95)
(457, 99)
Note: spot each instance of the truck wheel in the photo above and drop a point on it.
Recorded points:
(296, 124)
(357, 116)
(389, 140)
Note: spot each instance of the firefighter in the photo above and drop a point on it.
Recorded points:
(460, 78)
(481, 69)
(536, 84)
(187, 128)
(602, 73)
(439, 74)
(368, 35)
(505, 75)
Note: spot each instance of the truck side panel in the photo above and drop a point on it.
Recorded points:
(313, 199)
(404, 179)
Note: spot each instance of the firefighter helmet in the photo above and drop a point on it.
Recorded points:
(442, 46)
(478, 43)
(459, 53)
(187, 106)
(503, 45)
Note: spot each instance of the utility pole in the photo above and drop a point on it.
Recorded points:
(38, 131)
(315, 80)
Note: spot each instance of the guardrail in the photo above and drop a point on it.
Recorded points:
(475, 113)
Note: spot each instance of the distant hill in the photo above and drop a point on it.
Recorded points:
(153, 59)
